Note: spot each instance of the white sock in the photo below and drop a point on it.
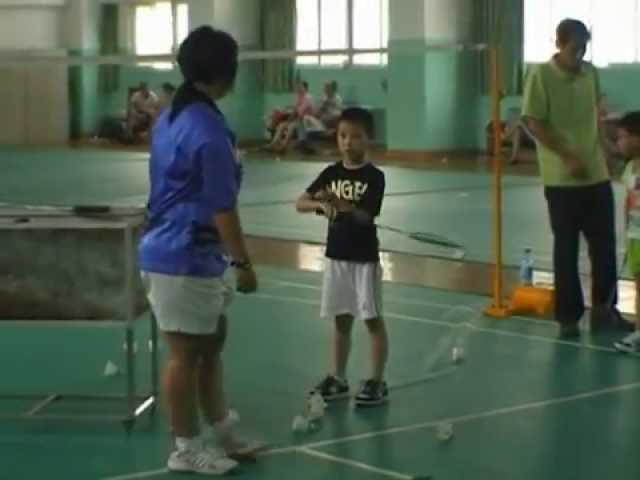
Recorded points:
(193, 443)
(213, 430)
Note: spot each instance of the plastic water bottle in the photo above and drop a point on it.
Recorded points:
(526, 267)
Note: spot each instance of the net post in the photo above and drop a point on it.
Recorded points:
(498, 308)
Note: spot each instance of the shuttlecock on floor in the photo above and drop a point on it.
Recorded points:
(444, 431)
(111, 369)
(316, 406)
(301, 424)
(457, 354)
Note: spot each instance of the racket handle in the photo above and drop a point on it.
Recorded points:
(90, 209)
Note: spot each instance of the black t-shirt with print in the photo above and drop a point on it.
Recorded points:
(363, 187)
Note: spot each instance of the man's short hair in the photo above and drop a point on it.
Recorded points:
(570, 29)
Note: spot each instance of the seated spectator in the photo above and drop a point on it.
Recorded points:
(514, 133)
(143, 106)
(285, 130)
(325, 117)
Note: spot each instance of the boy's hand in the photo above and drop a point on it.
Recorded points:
(341, 205)
(322, 196)
(329, 211)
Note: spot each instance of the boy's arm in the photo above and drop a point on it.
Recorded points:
(315, 199)
(307, 204)
(370, 205)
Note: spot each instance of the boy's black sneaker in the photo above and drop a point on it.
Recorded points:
(332, 388)
(372, 392)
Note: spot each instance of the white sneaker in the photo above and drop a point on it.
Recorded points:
(207, 461)
(227, 437)
(629, 344)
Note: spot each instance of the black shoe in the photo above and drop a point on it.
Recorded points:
(569, 331)
(621, 323)
(604, 318)
(332, 388)
(372, 393)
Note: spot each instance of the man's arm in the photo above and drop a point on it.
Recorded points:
(535, 112)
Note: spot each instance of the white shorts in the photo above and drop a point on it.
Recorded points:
(351, 288)
(189, 305)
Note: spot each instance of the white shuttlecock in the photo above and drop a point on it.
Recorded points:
(316, 406)
(111, 369)
(457, 354)
(444, 431)
(301, 424)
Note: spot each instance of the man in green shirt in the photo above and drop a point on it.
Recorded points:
(560, 106)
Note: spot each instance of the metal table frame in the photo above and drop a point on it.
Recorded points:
(128, 221)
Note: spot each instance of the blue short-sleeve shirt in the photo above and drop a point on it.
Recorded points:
(194, 174)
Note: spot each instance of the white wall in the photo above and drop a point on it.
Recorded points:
(406, 20)
(201, 12)
(448, 21)
(241, 18)
(31, 28)
(81, 24)
(35, 96)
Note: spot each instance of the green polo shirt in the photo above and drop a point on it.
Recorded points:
(568, 104)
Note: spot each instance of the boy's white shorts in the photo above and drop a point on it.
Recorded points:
(188, 305)
(351, 288)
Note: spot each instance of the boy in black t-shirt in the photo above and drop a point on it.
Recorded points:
(349, 193)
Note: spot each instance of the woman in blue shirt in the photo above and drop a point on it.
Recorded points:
(193, 229)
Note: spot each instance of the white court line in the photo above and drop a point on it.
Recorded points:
(464, 418)
(429, 321)
(429, 424)
(394, 299)
(423, 425)
(358, 465)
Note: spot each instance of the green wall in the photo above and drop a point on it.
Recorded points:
(86, 104)
(450, 114)
(619, 83)
(359, 85)
(451, 92)
(244, 108)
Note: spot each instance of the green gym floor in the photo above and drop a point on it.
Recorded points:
(455, 204)
(523, 404)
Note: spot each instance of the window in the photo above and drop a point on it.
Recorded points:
(615, 31)
(153, 26)
(347, 25)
